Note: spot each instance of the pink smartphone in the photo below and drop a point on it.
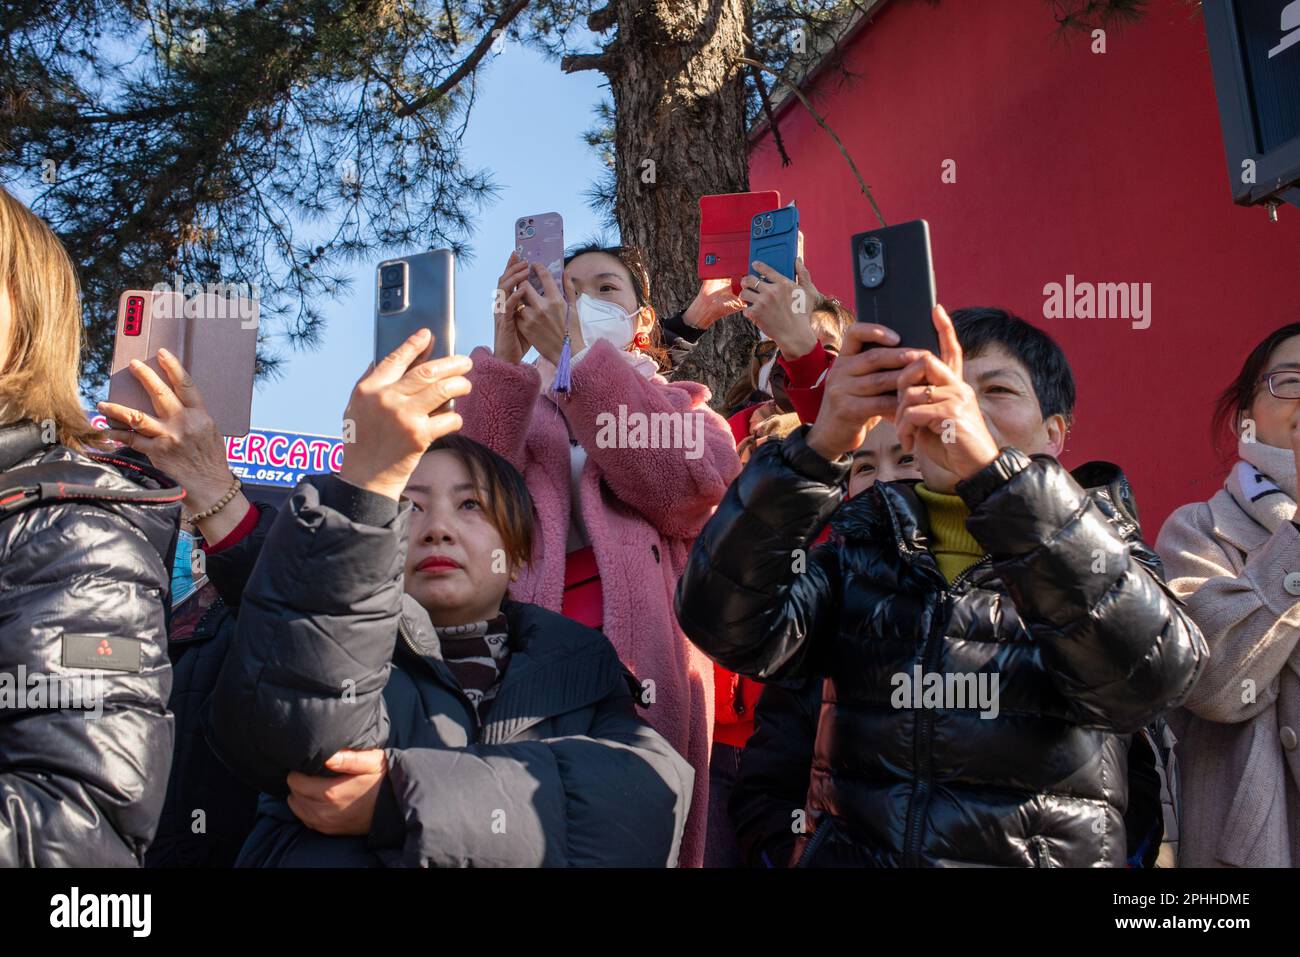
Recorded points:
(540, 239)
(214, 335)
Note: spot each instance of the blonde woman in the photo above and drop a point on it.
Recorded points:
(85, 539)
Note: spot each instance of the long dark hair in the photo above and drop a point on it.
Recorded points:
(631, 258)
(1237, 397)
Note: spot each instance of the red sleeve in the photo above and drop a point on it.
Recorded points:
(807, 379)
(237, 534)
(740, 423)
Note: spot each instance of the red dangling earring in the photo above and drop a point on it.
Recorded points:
(641, 340)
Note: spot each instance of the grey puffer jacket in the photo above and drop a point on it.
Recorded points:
(86, 544)
(330, 653)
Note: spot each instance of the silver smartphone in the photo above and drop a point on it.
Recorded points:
(412, 293)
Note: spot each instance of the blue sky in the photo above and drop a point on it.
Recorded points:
(522, 99)
(526, 129)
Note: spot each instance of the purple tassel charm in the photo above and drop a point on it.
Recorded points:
(563, 374)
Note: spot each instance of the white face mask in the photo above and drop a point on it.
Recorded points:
(765, 375)
(605, 320)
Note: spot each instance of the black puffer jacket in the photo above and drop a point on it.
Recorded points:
(1066, 613)
(767, 806)
(209, 811)
(331, 654)
(769, 796)
(85, 568)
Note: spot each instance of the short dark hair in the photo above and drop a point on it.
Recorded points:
(509, 506)
(1239, 394)
(979, 327)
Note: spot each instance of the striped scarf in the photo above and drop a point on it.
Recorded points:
(1263, 483)
(477, 655)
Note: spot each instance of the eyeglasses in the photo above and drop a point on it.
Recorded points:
(1283, 385)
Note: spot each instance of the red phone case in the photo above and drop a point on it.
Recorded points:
(724, 233)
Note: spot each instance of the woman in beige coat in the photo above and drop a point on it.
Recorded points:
(1235, 560)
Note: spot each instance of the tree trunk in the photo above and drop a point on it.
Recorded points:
(679, 134)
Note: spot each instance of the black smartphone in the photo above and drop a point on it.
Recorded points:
(893, 282)
(413, 293)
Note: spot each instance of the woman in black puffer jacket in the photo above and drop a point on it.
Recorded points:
(393, 707)
(85, 548)
(999, 573)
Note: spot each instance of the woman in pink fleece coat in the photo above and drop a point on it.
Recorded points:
(617, 510)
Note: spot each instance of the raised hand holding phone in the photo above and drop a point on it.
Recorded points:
(544, 319)
(182, 440)
(938, 412)
(509, 342)
(390, 414)
(780, 308)
(859, 389)
(714, 301)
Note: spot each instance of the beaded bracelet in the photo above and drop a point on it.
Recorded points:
(222, 503)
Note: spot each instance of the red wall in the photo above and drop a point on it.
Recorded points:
(1108, 166)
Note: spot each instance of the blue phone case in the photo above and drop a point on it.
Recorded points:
(774, 240)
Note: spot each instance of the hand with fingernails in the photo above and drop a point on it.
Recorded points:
(860, 389)
(393, 411)
(345, 802)
(509, 344)
(714, 301)
(781, 309)
(938, 414)
(181, 439)
(541, 319)
(924, 394)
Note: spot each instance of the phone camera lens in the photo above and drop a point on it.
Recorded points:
(874, 276)
(530, 231)
(767, 222)
(871, 248)
(391, 276)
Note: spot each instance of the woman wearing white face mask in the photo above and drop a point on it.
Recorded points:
(624, 468)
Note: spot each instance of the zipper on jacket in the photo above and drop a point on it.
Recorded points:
(923, 771)
(469, 706)
(814, 842)
(1039, 845)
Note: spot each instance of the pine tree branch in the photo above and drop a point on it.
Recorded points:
(577, 62)
(470, 63)
(794, 88)
(601, 20)
(766, 100)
